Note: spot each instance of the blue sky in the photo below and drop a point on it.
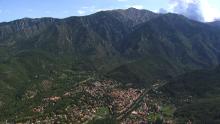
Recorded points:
(16, 9)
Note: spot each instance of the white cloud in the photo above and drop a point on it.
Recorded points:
(81, 12)
(209, 11)
(189, 8)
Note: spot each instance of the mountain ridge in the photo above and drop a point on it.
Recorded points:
(117, 35)
(136, 47)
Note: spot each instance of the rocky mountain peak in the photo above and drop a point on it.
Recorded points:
(133, 15)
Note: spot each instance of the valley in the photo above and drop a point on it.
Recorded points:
(92, 101)
(124, 66)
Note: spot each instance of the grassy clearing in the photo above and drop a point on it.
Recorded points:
(102, 112)
(168, 110)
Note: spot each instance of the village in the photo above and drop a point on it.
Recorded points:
(106, 97)
(154, 108)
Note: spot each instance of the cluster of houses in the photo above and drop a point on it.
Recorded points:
(94, 95)
(150, 110)
(123, 98)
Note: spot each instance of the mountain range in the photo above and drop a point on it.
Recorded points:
(132, 46)
(113, 40)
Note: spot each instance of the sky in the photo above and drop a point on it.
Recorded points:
(201, 10)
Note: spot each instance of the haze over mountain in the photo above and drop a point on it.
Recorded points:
(132, 46)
